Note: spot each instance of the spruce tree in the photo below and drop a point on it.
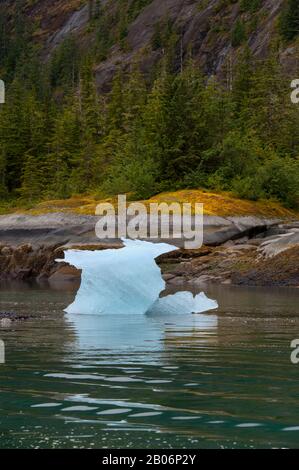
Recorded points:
(87, 172)
(289, 20)
(63, 151)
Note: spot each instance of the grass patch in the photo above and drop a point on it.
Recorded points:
(221, 204)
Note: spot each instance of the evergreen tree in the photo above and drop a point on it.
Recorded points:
(32, 186)
(243, 80)
(134, 96)
(64, 66)
(116, 107)
(3, 187)
(289, 20)
(13, 135)
(268, 107)
(238, 34)
(63, 151)
(86, 172)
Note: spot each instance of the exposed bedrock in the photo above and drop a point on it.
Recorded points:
(238, 250)
(61, 229)
(204, 27)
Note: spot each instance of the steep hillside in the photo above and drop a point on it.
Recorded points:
(118, 30)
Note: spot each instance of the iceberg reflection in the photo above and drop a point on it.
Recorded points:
(119, 333)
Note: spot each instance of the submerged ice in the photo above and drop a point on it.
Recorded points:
(128, 280)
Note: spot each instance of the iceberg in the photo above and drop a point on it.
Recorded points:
(128, 280)
(183, 303)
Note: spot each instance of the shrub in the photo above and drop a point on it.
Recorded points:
(238, 34)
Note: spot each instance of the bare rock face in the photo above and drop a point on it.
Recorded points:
(64, 274)
(203, 27)
(278, 244)
(25, 262)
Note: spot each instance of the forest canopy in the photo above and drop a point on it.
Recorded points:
(178, 129)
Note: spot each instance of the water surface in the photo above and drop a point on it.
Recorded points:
(223, 379)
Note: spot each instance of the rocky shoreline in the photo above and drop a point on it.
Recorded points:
(237, 250)
(234, 264)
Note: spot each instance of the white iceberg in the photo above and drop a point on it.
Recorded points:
(183, 303)
(128, 280)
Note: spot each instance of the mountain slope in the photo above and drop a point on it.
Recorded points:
(211, 30)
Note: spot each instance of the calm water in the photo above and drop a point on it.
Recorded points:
(219, 380)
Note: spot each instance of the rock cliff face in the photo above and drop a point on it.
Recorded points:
(239, 250)
(203, 28)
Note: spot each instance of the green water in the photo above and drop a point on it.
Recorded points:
(220, 380)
